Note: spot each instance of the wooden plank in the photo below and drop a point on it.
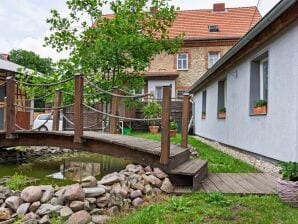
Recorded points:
(260, 184)
(78, 109)
(185, 118)
(190, 167)
(261, 189)
(264, 180)
(165, 129)
(209, 186)
(237, 188)
(10, 112)
(114, 111)
(238, 177)
(220, 184)
(56, 115)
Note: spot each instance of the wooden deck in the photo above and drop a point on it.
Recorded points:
(235, 183)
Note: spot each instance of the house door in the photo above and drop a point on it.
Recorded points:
(2, 95)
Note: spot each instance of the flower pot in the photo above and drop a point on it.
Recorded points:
(203, 116)
(173, 133)
(222, 115)
(260, 110)
(288, 192)
(153, 129)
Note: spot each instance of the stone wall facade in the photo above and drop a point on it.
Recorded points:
(197, 64)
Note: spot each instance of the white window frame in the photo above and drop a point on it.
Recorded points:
(182, 69)
(212, 52)
(262, 77)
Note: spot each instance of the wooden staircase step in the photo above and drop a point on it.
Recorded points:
(191, 172)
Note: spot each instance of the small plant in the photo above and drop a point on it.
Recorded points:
(152, 110)
(218, 199)
(222, 110)
(261, 103)
(17, 182)
(179, 204)
(289, 171)
(173, 125)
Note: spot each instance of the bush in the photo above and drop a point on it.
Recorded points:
(173, 125)
(17, 182)
(289, 171)
(222, 110)
(261, 103)
(152, 110)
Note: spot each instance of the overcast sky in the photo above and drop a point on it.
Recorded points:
(23, 22)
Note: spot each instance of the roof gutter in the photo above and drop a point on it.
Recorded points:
(271, 16)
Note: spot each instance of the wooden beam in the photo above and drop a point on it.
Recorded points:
(185, 118)
(165, 125)
(10, 113)
(114, 111)
(78, 109)
(56, 115)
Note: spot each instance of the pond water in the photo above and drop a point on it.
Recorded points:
(65, 169)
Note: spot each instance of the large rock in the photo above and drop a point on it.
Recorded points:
(4, 214)
(89, 182)
(65, 212)
(48, 192)
(34, 206)
(76, 205)
(100, 219)
(13, 202)
(30, 216)
(110, 179)
(103, 201)
(155, 181)
(80, 217)
(31, 194)
(159, 173)
(94, 192)
(23, 209)
(46, 209)
(137, 202)
(74, 193)
(167, 186)
(136, 194)
(45, 220)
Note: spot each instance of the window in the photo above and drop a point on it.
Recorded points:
(204, 102)
(222, 98)
(213, 28)
(180, 94)
(212, 58)
(158, 92)
(182, 61)
(259, 82)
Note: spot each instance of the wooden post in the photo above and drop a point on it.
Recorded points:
(165, 125)
(185, 118)
(10, 112)
(78, 109)
(56, 115)
(114, 111)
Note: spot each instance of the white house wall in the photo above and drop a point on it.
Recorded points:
(152, 84)
(273, 135)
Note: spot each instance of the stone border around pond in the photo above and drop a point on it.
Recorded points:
(91, 201)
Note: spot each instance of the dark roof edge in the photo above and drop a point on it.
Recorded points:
(271, 16)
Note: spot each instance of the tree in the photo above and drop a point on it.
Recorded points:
(112, 50)
(31, 60)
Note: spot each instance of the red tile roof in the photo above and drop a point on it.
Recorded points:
(233, 23)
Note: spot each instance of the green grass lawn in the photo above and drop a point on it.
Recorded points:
(218, 162)
(213, 208)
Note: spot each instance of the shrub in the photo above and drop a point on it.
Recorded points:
(173, 125)
(261, 103)
(222, 110)
(17, 182)
(289, 171)
(152, 110)
(218, 199)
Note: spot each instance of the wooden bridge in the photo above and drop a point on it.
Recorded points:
(173, 159)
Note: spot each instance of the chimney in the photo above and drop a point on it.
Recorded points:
(4, 57)
(219, 7)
